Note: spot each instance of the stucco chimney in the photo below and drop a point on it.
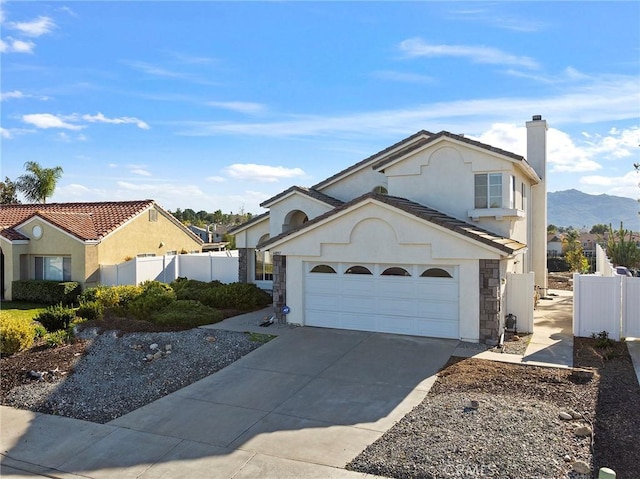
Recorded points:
(537, 158)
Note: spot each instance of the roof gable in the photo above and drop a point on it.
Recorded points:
(371, 159)
(309, 192)
(480, 235)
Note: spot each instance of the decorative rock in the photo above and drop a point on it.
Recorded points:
(574, 414)
(157, 355)
(515, 338)
(39, 375)
(149, 357)
(583, 431)
(167, 347)
(565, 416)
(567, 458)
(154, 346)
(581, 467)
(168, 352)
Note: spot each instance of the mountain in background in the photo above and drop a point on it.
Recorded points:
(580, 210)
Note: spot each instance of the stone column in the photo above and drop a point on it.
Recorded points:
(279, 285)
(243, 265)
(490, 328)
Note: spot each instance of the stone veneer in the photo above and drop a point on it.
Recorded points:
(490, 301)
(243, 264)
(279, 285)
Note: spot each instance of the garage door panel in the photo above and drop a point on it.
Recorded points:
(391, 304)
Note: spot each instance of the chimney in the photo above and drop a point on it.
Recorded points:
(537, 234)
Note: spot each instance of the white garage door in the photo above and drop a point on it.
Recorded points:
(416, 300)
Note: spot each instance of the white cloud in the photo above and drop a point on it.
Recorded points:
(100, 118)
(11, 133)
(626, 185)
(601, 99)
(238, 106)
(261, 173)
(11, 95)
(47, 120)
(417, 47)
(11, 45)
(34, 28)
(216, 179)
(139, 170)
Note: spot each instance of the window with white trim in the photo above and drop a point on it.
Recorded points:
(488, 190)
(53, 268)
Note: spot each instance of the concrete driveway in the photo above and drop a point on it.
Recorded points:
(303, 405)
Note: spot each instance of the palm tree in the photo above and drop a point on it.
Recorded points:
(39, 183)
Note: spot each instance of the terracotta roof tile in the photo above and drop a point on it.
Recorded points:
(506, 245)
(87, 221)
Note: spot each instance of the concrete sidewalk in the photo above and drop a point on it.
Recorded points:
(303, 405)
(551, 344)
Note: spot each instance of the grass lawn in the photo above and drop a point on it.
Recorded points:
(20, 310)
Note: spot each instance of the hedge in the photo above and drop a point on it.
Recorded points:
(46, 292)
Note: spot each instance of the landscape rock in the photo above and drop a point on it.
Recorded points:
(154, 346)
(574, 414)
(581, 467)
(582, 431)
(565, 416)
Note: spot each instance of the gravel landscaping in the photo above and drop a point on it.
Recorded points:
(119, 374)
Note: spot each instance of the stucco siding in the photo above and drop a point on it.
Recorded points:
(356, 184)
(140, 236)
(278, 212)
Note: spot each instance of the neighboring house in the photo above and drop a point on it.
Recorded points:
(554, 246)
(212, 236)
(416, 239)
(70, 241)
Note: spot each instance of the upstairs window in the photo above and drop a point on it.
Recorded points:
(380, 190)
(488, 190)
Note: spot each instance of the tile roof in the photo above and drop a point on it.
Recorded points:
(506, 245)
(431, 139)
(330, 200)
(371, 158)
(87, 221)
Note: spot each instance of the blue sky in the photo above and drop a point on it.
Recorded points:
(221, 105)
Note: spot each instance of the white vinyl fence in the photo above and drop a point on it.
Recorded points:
(216, 265)
(606, 302)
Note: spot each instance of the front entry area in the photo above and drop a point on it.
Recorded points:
(418, 300)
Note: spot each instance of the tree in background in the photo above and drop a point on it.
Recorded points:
(552, 229)
(599, 229)
(622, 250)
(39, 183)
(8, 192)
(573, 252)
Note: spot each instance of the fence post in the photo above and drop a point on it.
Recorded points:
(576, 304)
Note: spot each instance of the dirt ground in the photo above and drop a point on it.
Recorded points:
(563, 281)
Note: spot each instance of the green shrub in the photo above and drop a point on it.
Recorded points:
(15, 335)
(40, 330)
(154, 298)
(56, 317)
(242, 296)
(46, 292)
(57, 338)
(185, 313)
(90, 310)
(192, 288)
(111, 296)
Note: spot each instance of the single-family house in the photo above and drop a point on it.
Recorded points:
(416, 239)
(70, 241)
(554, 246)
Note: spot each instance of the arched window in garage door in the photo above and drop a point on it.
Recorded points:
(435, 273)
(395, 271)
(357, 270)
(323, 268)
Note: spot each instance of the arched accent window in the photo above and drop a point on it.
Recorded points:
(435, 273)
(294, 219)
(395, 271)
(263, 263)
(323, 268)
(380, 190)
(357, 270)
